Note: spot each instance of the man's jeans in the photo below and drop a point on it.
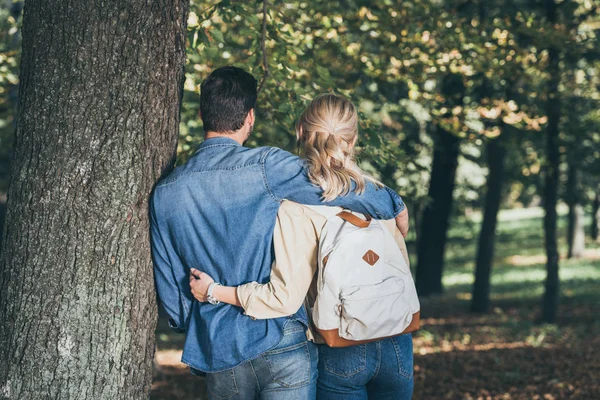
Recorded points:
(378, 370)
(286, 372)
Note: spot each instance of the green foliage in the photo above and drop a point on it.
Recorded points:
(477, 69)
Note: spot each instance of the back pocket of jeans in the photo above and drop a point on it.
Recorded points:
(403, 346)
(221, 385)
(290, 366)
(345, 361)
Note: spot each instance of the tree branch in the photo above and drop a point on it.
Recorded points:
(263, 47)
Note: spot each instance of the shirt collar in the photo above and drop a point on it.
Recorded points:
(219, 140)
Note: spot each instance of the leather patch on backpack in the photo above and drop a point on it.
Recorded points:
(370, 257)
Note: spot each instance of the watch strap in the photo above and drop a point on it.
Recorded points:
(209, 293)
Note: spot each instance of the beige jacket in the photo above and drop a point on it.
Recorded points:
(295, 241)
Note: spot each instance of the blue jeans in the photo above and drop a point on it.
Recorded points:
(378, 370)
(286, 372)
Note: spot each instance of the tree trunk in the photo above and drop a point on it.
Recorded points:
(436, 214)
(487, 236)
(575, 230)
(2, 218)
(551, 292)
(97, 124)
(596, 216)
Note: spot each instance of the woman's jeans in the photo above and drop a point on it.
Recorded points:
(286, 372)
(378, 370)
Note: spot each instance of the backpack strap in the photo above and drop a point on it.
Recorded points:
(354, 220)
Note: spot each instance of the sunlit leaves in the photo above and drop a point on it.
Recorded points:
(388, 56)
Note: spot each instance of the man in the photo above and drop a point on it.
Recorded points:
(217, 213)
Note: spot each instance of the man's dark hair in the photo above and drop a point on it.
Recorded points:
(226, 97)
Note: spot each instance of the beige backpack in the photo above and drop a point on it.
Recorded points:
(365, 290)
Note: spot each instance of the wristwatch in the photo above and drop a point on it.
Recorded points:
(209, 295)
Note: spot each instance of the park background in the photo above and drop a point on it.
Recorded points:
(483, 115)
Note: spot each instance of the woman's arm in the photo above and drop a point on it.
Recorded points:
(391, 225)
(199, 283)
(295, 243)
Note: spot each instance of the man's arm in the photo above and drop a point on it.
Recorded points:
(286, 179)
(295, 245)
(168, 291)
(295, 242)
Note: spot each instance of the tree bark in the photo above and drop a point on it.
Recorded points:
(553, 109)
(97, 125)
(575, 230)
(2, 218)
(436, 214)
(596, 216)
(487, 236)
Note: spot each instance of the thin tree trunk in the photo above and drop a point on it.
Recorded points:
(436, 214)
(596, 216)
(97, 124)
(487, 236)
(551, 292)
(575, 230)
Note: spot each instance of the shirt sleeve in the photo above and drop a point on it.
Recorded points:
(286, 178)
(295, 245)
(169, 292)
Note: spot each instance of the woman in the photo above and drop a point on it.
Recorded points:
(327, 132)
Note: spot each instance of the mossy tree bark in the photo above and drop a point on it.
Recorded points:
(496, 154)
(433, 232)
(435, 220)
(97, 125)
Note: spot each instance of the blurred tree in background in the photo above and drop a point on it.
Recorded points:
(465, 105)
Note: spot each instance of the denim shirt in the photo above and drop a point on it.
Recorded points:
(217, 213)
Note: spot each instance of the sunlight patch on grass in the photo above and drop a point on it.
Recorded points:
(518, 214)
(455, 278)
(169, 359)
(520, 260)
(508, 281)
(576, 272)
(529, 292)
(450, 346)
(464, 296)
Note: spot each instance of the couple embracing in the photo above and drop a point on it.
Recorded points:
(238, 238)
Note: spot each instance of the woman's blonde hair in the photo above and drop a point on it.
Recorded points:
(327, 131)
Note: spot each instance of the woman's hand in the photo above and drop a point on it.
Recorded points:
(199, 282)
(402, 222)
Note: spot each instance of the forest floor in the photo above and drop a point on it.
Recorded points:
(502, 355)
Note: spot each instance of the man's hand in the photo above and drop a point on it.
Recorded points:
(402, 222)
(199, 282)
